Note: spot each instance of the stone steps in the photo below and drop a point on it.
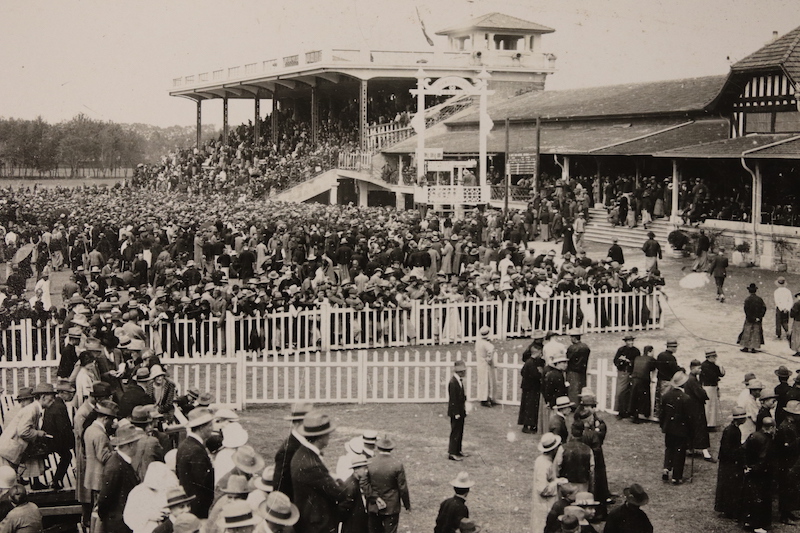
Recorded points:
(599, 230)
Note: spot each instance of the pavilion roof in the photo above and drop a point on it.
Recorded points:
(497, 21)
(783, 52)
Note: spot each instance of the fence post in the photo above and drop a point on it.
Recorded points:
(503, 317)
(361, 355)
(239, 358)
(325, 326)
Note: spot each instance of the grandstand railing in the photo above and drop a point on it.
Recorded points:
(355, 160)
(382, 135)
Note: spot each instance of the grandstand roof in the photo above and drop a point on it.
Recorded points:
(671, 97)
(497, 21)
(686, 134)
(567, 137)
(783, 52)
(729, 148)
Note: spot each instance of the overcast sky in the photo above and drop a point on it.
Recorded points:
(113, 60)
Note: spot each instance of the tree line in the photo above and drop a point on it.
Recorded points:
(83, 146)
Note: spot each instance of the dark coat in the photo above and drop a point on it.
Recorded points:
(628, 519)
(730, 473)
(531, 390)
(558, 426)
(67, 362)
(316, 493)
(577, 462)
(196, 475)
(676, 414)
(456, 399)
(388, 479)
(352, 510)
(283, 466)
(667, 365)
(133, 396)
(554, 385)
(56, 422)
(698, 395)
(119, 478)
(451, 511)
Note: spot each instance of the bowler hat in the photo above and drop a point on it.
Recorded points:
(752, 287)
(316, 424)
(783, 372)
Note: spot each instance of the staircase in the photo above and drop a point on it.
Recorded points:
(599, 230)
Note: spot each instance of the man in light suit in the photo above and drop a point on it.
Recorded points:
(98, 450)
(388, 480)
(12, 443)
(192, 463)
(316, 493)
(457, 410)
(86, 411)
(149, 448)
(119, 478)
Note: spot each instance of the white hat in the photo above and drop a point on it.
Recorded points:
(234, 435)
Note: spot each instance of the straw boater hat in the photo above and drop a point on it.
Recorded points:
(739, 412)
(264, 481)
(316, 424)
(278, 509)
(755, 384)
(628, 337)
(549, 442)
(462, 481)
(585, 499)
(672, 344)
(484, 331)
(563, 402)
(711, 353)
(238, 514)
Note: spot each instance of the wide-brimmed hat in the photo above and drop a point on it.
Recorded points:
(25, 393)
(65, 386)
(226, 414)
(234, 435)
(792, 407)
(316, 424)
(462, 481)
(575, 332)
(783, 372)
(636, 493)
(538, 334)
(198, 417)
(107, 407)
(754, 384)
(484, 331)
(278, 509)
(126, 435)
(299, 411)
(679, 379)
(43, 388)
(236, 485)
(549, 442)
(563, 402)
(739, 412)
(177, 496)
(205, 399)
(238, 514)
(264, 481)
(247, 460)
(80, 320)
(157, 370)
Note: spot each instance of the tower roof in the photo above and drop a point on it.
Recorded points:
(497, 21)
(783, 53)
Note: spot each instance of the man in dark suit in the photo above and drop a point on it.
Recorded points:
(57, 422)
(719, 270)
(388, 480)
(453, 509)
(192, 463)
(283, 457)
(457, 410)
(178, 505)
(676, 424)
(758, 468)
(69, 354)
(134, 393)
(317, 494)
(353, 508)
(119, 478)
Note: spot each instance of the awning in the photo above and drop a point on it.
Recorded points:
(587, 137)
(735, 148)
(686, 134)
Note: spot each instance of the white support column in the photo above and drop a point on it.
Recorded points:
(565, 170)
(485, 127)
(756, 203)
(419, 126)
(334, 194)
(676, 187)
(399, 201)
(363, 194)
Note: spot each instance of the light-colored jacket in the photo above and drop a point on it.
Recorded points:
(98, 450)
(20, 431)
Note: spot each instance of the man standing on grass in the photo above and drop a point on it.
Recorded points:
(623, 360)
(752, 336)
(388, 480)
(783, 304)
(453, 509)
(719, 271)
(676, 423)
(457, 410)
(577, 363)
